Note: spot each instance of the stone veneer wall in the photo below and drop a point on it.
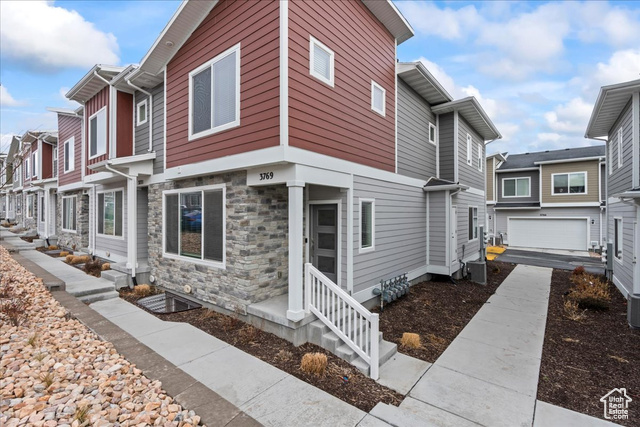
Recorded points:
(79, 239)
(256, 245)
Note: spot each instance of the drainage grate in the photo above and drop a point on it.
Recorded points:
(167, 303)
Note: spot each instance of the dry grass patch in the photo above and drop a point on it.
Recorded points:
(572, 310)
(589, 291)
(106, 266)
(78, 259)
(142, 290)
(314, 363)
(410, 340)
(64, 254)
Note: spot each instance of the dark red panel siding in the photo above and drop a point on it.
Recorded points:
(255, 25)
(124, 124)
(101, 99)
(47, 161)
(69, 127)
(338, 121)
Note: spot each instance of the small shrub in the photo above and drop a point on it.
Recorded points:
(64, 254)
(410, 340)
(437, 342)
(81, 414)
(7, 290)
(590, 292)
(39, 356)
(284, 355)
(14, 309)
(578, 271)
(69, 258)
(229, 323)
(33, 340)
(207, 314)
(106, 266)
(314, 363)
(53, 248)
(248, 334)
(92, 268)
(48, 379)
(572, 310)
(78, 259)
(142, 290)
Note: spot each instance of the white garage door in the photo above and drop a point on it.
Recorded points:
(548, 233)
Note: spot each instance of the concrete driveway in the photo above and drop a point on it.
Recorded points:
(564, 260)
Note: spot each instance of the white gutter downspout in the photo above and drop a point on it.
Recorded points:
(149, 112)
(132, 241)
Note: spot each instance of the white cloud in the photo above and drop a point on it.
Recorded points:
(449, 24)
(571, 117)
(6, 100)
(44, 37)
(67, 102)
(603, 22)
(622, 66)
(549, 136)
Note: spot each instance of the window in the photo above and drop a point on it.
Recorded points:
(469, 150)
(17, 175)
(480, 157)
(69, 155)
(367, 225)
(617, 238)
(569, 183)
(473, 223)
(98, 133)
(194, 224)
(620, 148)
(27, 169)
(378, 97)
(214, 95)
(69, 213)
(321, 61)
(30, 205)
(432, 133)
(34, 164)
(55, 162)
(41, 206)
(516, 187)
(110, 213)
(141, 113)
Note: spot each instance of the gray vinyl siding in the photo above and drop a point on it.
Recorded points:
(113, 245)
(400, 231)
(317, 192)
(437, 223)
(416, 155)
(620, 179)
(141, 224)
(593, 213)
(463, 201)
(142, 132)
(469, 174)
(623, 272)
(445, 142)
(535, 186)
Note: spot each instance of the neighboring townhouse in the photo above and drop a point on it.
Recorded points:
(72, 208)
(552, 199)
(616, 120)
(14, 207)
(4, 182)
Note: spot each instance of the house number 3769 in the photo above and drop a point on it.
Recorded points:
(266, 176)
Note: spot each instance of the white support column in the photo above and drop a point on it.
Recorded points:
(296, 242)
(350, 238)
(46, 207)
(132, 235)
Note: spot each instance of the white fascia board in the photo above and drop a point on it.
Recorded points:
(578, 159)
(517, 170)
(73, 187)
(570, 205)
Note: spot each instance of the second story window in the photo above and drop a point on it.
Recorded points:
(141, 113)
(98, 133)
(321, 62)
(34, 165)
(620, 148)
(378, 96)
(214, 95)
(480, 157)
(569, 183)
(27, 169)
(469, 150)
(432, 133)
(68, 155)
(516, 187)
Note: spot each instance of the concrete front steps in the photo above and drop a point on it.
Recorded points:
(321, 335)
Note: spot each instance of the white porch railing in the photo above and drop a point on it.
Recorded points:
(346, 317)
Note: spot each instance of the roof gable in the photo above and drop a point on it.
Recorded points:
(532, 160)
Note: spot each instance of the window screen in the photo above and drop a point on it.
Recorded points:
(202, 101)
(378, 99)
(170, 224)
(213, 220)
(321, 62)
(224, 89)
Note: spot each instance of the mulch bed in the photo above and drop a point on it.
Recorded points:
(29, 239)
(584, 360)
(438, 311)
(341, 380)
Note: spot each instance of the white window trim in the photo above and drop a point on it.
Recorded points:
(375, 85)
(471, 224)
(435, 132)
(124, 224)
(469, 150)
(586, 190)
(620, 260)
(209, 263)
(620, 154)
(70, 142)
(27, 168)
(528, 178)
(68, 230)
(331, 80)
(106, 141)
(371, 248)
(146, 113)
(209, 64)
(480, 157)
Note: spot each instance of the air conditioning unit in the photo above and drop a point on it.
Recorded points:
(478, 271)
(633, 311)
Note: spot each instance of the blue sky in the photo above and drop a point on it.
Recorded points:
(536, 67)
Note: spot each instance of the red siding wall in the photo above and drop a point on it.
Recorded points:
(124, 124)
(47, 161)
(255, 25)
(338, 121)
(69, 127)
(92, 106)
